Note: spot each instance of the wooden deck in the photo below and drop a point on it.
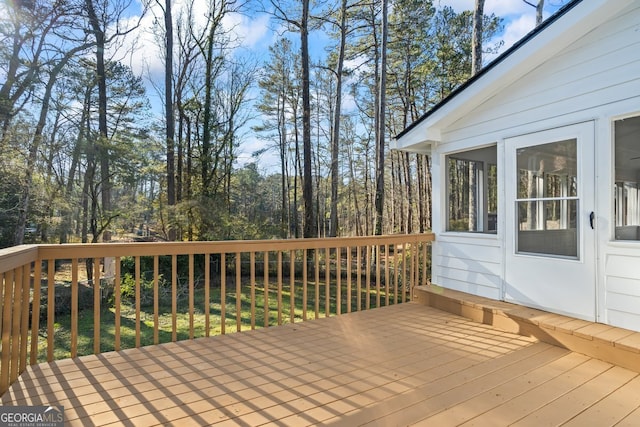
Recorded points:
(399, 365)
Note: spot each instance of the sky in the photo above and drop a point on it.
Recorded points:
(257, 32)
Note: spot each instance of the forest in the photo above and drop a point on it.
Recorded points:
(92, 150)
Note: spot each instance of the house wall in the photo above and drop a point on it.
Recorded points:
(596, 79)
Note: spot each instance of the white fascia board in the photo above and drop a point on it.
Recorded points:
(418, 140)
(583, 18)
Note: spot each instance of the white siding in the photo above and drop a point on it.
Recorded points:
(469, 264)
(622, 290)
(597, 78)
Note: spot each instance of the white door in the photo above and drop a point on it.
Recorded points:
(550, 260)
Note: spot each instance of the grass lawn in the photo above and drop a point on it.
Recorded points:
(62, 336)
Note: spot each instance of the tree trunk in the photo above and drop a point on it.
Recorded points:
(103, 146)
(335, 139)
(307, 184)
(380, 134)
(169, 117)
(539, 10)
(476, 48)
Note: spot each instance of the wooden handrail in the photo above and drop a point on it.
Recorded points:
(326, 277)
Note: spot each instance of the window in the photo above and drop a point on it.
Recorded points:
(547, 199)
(472, 178)
(627, 175)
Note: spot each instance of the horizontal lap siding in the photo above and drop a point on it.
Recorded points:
(582, 83)
(469, 265)
(623, 287)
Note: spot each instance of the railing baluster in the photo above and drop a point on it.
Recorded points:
(414, 267)
(386, 274)
(327, 283)
(368, 277)
(24, 322)
(51, 301)
(35, 312)
(191, 295)
(292, 286)
(252, 279)
(424, 263)
(378, 262)
(338, 281)
(223, 292)
(359, 278)
(395, 273)
(305, 273)
(279, 287)
(137, 297)
(238, 292)
(96, 306)
(348, 279)
(6, 330)
(156, 300)
(15, 323)
(404, 272)
(316, 257)
(74, 307)
(117, 291)
(266, 289)
(174, 297)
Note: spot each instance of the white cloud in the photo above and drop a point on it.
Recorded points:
(248, 31)
(268, 161)
(517, 28)
(499, 7)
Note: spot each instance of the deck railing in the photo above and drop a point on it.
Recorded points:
(70, 300)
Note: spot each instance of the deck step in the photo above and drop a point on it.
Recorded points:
(614, 345)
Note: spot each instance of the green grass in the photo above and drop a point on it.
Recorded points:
(62, 335)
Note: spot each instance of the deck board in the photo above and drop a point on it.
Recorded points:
(398, 365)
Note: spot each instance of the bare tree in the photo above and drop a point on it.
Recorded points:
(335, 137)
(302, 25)
(476, 48)
(169, 112)
(108, 15)
(380, 131)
